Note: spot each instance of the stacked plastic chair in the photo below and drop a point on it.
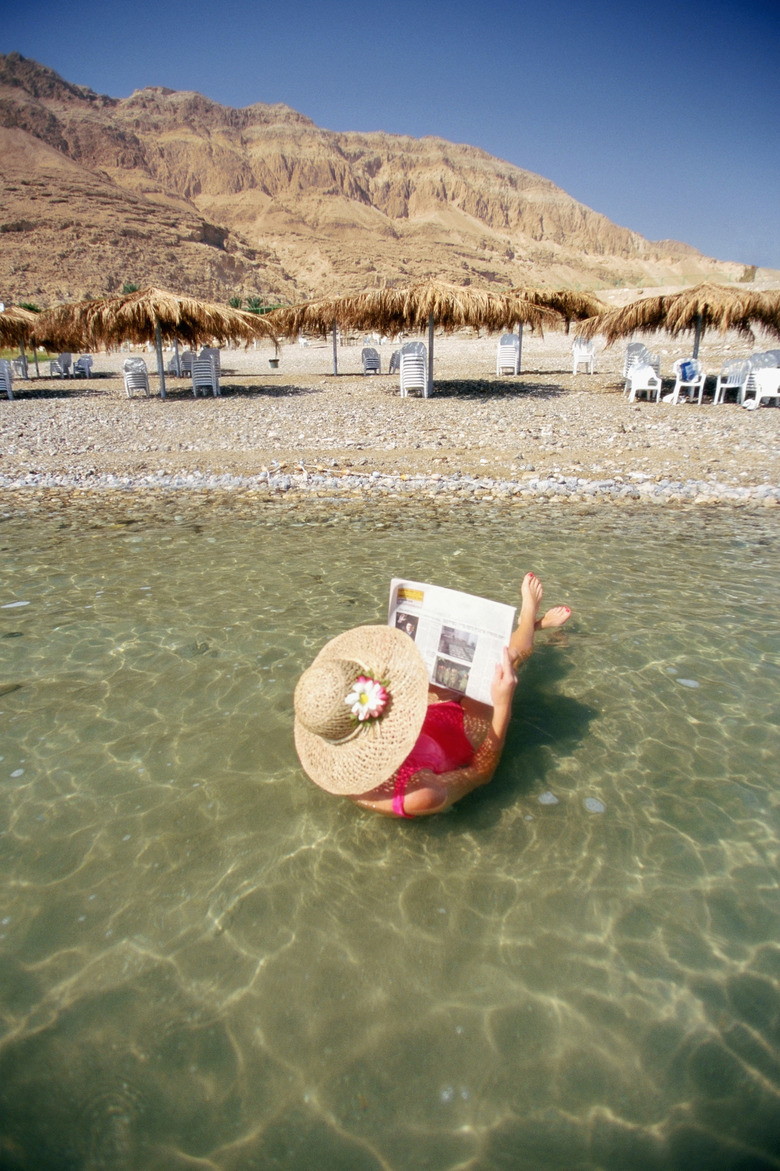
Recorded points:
(414, 369)
(6, 378)
(205, 376)
(637, 354)
(371, 361)
(508, 355)
(136, 376)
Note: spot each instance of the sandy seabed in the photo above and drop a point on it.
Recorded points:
(300, 429)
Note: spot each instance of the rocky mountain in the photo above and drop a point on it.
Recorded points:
(175, 189)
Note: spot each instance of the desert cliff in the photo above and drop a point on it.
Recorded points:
(176, 189)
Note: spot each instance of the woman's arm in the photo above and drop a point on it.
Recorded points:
(428, 792)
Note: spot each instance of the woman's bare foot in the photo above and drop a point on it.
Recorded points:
(554, 617)
(531, 591)
(522, 641)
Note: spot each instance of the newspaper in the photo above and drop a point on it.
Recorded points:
(460, 636)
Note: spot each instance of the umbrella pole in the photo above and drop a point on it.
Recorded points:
(335, 351)
(430, 353)
(697, 335)
(176, 357)
(35, 358)
(519, 346)
(23, 358)
(160, 364)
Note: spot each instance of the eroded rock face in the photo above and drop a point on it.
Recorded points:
(174, 188)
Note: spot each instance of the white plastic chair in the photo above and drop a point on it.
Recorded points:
(733, 376)
(6, 378)
(696, 377)
(761, 361)
(82, 367)
(414, 369)
(204, 376)
(643, 380)
(508, 355)
(637, 354)
(633, 357)
(766, 384)
(583, 354)
(371, 361)
(61, 365)
(395, 362)
(136, 376)
(213, 353)
(19, 366)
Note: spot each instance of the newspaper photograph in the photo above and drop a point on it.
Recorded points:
(460, 636)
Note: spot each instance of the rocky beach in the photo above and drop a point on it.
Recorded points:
(298, 431)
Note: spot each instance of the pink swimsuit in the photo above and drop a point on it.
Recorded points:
(441, 746)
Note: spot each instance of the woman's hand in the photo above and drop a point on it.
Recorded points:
(504, 682)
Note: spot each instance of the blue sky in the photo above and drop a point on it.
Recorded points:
(663, 116)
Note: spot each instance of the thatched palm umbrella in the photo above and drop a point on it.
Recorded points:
(700, 308)
(17, 327)
(153, 314)
(570, 304)
(429, 303)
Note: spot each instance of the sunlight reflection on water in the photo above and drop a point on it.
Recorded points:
(205, 957)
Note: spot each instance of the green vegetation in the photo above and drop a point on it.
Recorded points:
(12, 353)
(258, 305)
(30, 305)
(254, 304)
(129, 287)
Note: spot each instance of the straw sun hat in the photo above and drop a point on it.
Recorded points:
(359, 708)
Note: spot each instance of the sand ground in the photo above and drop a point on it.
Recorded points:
(542, 423)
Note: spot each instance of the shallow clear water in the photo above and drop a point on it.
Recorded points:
(206, 961)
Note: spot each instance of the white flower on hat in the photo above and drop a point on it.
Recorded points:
(367, 699)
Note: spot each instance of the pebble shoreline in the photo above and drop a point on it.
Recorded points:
(636, 487)
(301, 434)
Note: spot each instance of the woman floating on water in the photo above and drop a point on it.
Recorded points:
(368, 727)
